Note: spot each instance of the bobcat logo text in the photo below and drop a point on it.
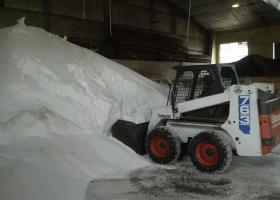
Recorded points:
(162, 116)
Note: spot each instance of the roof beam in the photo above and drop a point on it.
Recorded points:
(273, 3)
(186, 15)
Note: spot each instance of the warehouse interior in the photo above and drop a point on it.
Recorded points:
(127, 30)
(74, 72)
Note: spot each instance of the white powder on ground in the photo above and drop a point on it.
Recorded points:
(56, 102)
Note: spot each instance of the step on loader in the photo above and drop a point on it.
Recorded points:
(213, 115)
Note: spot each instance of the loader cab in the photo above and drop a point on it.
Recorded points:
(193, 82)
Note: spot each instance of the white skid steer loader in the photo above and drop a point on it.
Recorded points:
(214, 116)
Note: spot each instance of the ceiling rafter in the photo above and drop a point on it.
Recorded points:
(218, 15)
(184, 14)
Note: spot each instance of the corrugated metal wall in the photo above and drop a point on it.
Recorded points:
(64, 17)
(132, 13)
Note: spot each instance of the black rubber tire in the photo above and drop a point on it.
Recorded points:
(174, 145)
(224, 149)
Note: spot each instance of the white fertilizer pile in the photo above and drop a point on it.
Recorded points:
(56, 102)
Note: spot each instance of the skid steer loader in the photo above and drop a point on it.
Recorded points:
(213, 114)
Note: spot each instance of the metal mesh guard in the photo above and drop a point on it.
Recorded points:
(194, 85)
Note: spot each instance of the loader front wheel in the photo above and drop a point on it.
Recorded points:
(210, 152)
(163, 145)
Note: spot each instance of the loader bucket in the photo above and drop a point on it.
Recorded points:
(131, 134)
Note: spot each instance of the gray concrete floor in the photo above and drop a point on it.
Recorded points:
(248, 178)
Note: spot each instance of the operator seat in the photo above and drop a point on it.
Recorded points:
(207, 88)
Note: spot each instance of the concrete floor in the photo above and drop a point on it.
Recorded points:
(247, 178)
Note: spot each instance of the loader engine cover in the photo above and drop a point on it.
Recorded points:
(269, 110)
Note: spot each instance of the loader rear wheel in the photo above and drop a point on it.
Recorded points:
(210, 152)
(163, 145)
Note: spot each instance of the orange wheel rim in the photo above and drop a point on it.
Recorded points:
(207, 153)
(159, 146)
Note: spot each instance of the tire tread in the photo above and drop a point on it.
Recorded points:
(174, 145)
(224, 144)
